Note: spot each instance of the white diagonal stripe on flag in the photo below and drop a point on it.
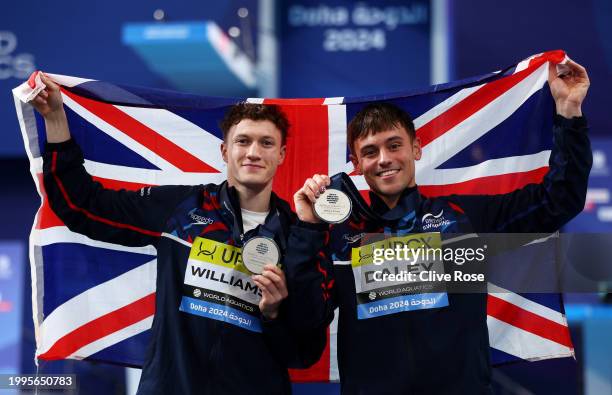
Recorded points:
(456, 139)
(185, 134)
(491, 167)
(510, 339)
(85, 307)
(118, 135)
(439, 109)
(526, 304)
(150, 176)
(61, 234)
(113, 338)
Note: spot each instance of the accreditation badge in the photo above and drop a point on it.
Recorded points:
(333, 206)
(399, 274)
(258, 252)
(218, 286)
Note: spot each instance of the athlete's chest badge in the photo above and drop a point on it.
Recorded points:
(431, 222)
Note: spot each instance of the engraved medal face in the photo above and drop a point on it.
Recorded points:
(333, 206)
(258, 252)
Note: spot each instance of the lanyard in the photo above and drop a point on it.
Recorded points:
(271, 228)
(401, 215)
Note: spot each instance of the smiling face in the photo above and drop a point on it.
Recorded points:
(252, 150)
(386, 160)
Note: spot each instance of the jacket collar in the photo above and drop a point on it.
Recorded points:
(278, 218)
(408, 202)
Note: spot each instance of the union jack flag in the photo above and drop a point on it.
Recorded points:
(94, 300)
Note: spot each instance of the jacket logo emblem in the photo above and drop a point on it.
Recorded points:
(431, 221)
(353, 238)
(200, 220)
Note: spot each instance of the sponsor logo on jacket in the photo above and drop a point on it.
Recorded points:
(431, 221)
(201, 220)
(353, 238)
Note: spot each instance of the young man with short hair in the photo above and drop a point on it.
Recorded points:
(443, 350)
(217, 329)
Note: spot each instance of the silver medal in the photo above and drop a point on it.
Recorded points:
(258, 252)
(333, 206)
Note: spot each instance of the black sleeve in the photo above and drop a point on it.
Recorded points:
(543, 207)
(310, 277)
(297, 348)
(132, 218)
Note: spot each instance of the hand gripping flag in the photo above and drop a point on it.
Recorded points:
(93, 300)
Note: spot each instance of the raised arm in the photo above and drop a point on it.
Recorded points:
(547, 206)
(123, 217)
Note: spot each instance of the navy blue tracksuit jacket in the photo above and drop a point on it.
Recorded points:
(434, 351)
(208, 336)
